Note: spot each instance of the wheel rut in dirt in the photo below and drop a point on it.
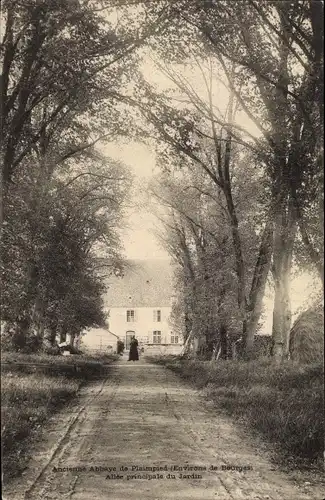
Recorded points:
(143, 433)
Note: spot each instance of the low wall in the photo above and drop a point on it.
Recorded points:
(152, 350)
(98, 350)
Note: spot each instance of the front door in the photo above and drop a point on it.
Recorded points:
(128, 337)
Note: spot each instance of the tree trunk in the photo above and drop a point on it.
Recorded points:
(49, 336)
(188, 322)
(77, 341)
(284, 237)
(281, 311)
(37, 316)
(72, 339)
(234, 224)
(21, 333)
(257, 291)
(217, 354)
(187, 344)
(235, 350)
(63, 334)
(199, 343)
(240, 267)
(223, 343)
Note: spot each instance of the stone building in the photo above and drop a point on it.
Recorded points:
(139, 303)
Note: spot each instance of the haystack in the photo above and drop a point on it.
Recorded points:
(307, 336)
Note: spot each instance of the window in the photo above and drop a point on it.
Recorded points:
(174, 339)
(156, 339)
(130, 316)
(157, 315)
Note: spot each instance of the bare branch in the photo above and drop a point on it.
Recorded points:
(101, 176)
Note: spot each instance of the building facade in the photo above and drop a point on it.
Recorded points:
(139, 303)
(99, 339)
(150, 325)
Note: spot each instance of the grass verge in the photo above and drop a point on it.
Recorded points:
(32, 392)
(283, 403)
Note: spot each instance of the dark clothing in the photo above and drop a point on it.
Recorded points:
(134, 355)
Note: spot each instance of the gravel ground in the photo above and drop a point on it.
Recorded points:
(144, 434)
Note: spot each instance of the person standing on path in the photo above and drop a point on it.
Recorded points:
(134, 354)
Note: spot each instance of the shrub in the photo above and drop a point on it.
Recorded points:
(29, 398)
(15, 340)
(27, 401)
(120, 347)
(307, 336)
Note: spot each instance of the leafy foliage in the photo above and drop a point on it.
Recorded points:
(198, 236)
(270, 57)
(64, 62)
(58, 242)
(63, 65)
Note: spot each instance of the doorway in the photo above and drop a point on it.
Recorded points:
(128, 336)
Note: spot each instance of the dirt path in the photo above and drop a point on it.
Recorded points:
(144, 416)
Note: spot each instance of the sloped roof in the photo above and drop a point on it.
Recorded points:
(145, 283)
(109, 331)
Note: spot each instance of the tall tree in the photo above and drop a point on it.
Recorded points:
(198, 236)
(63, 62)
(278, 81)
(52, 255)
(213, 144)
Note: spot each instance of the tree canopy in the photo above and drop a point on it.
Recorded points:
(240, 154)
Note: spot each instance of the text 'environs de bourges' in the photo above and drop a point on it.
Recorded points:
(132, 472)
